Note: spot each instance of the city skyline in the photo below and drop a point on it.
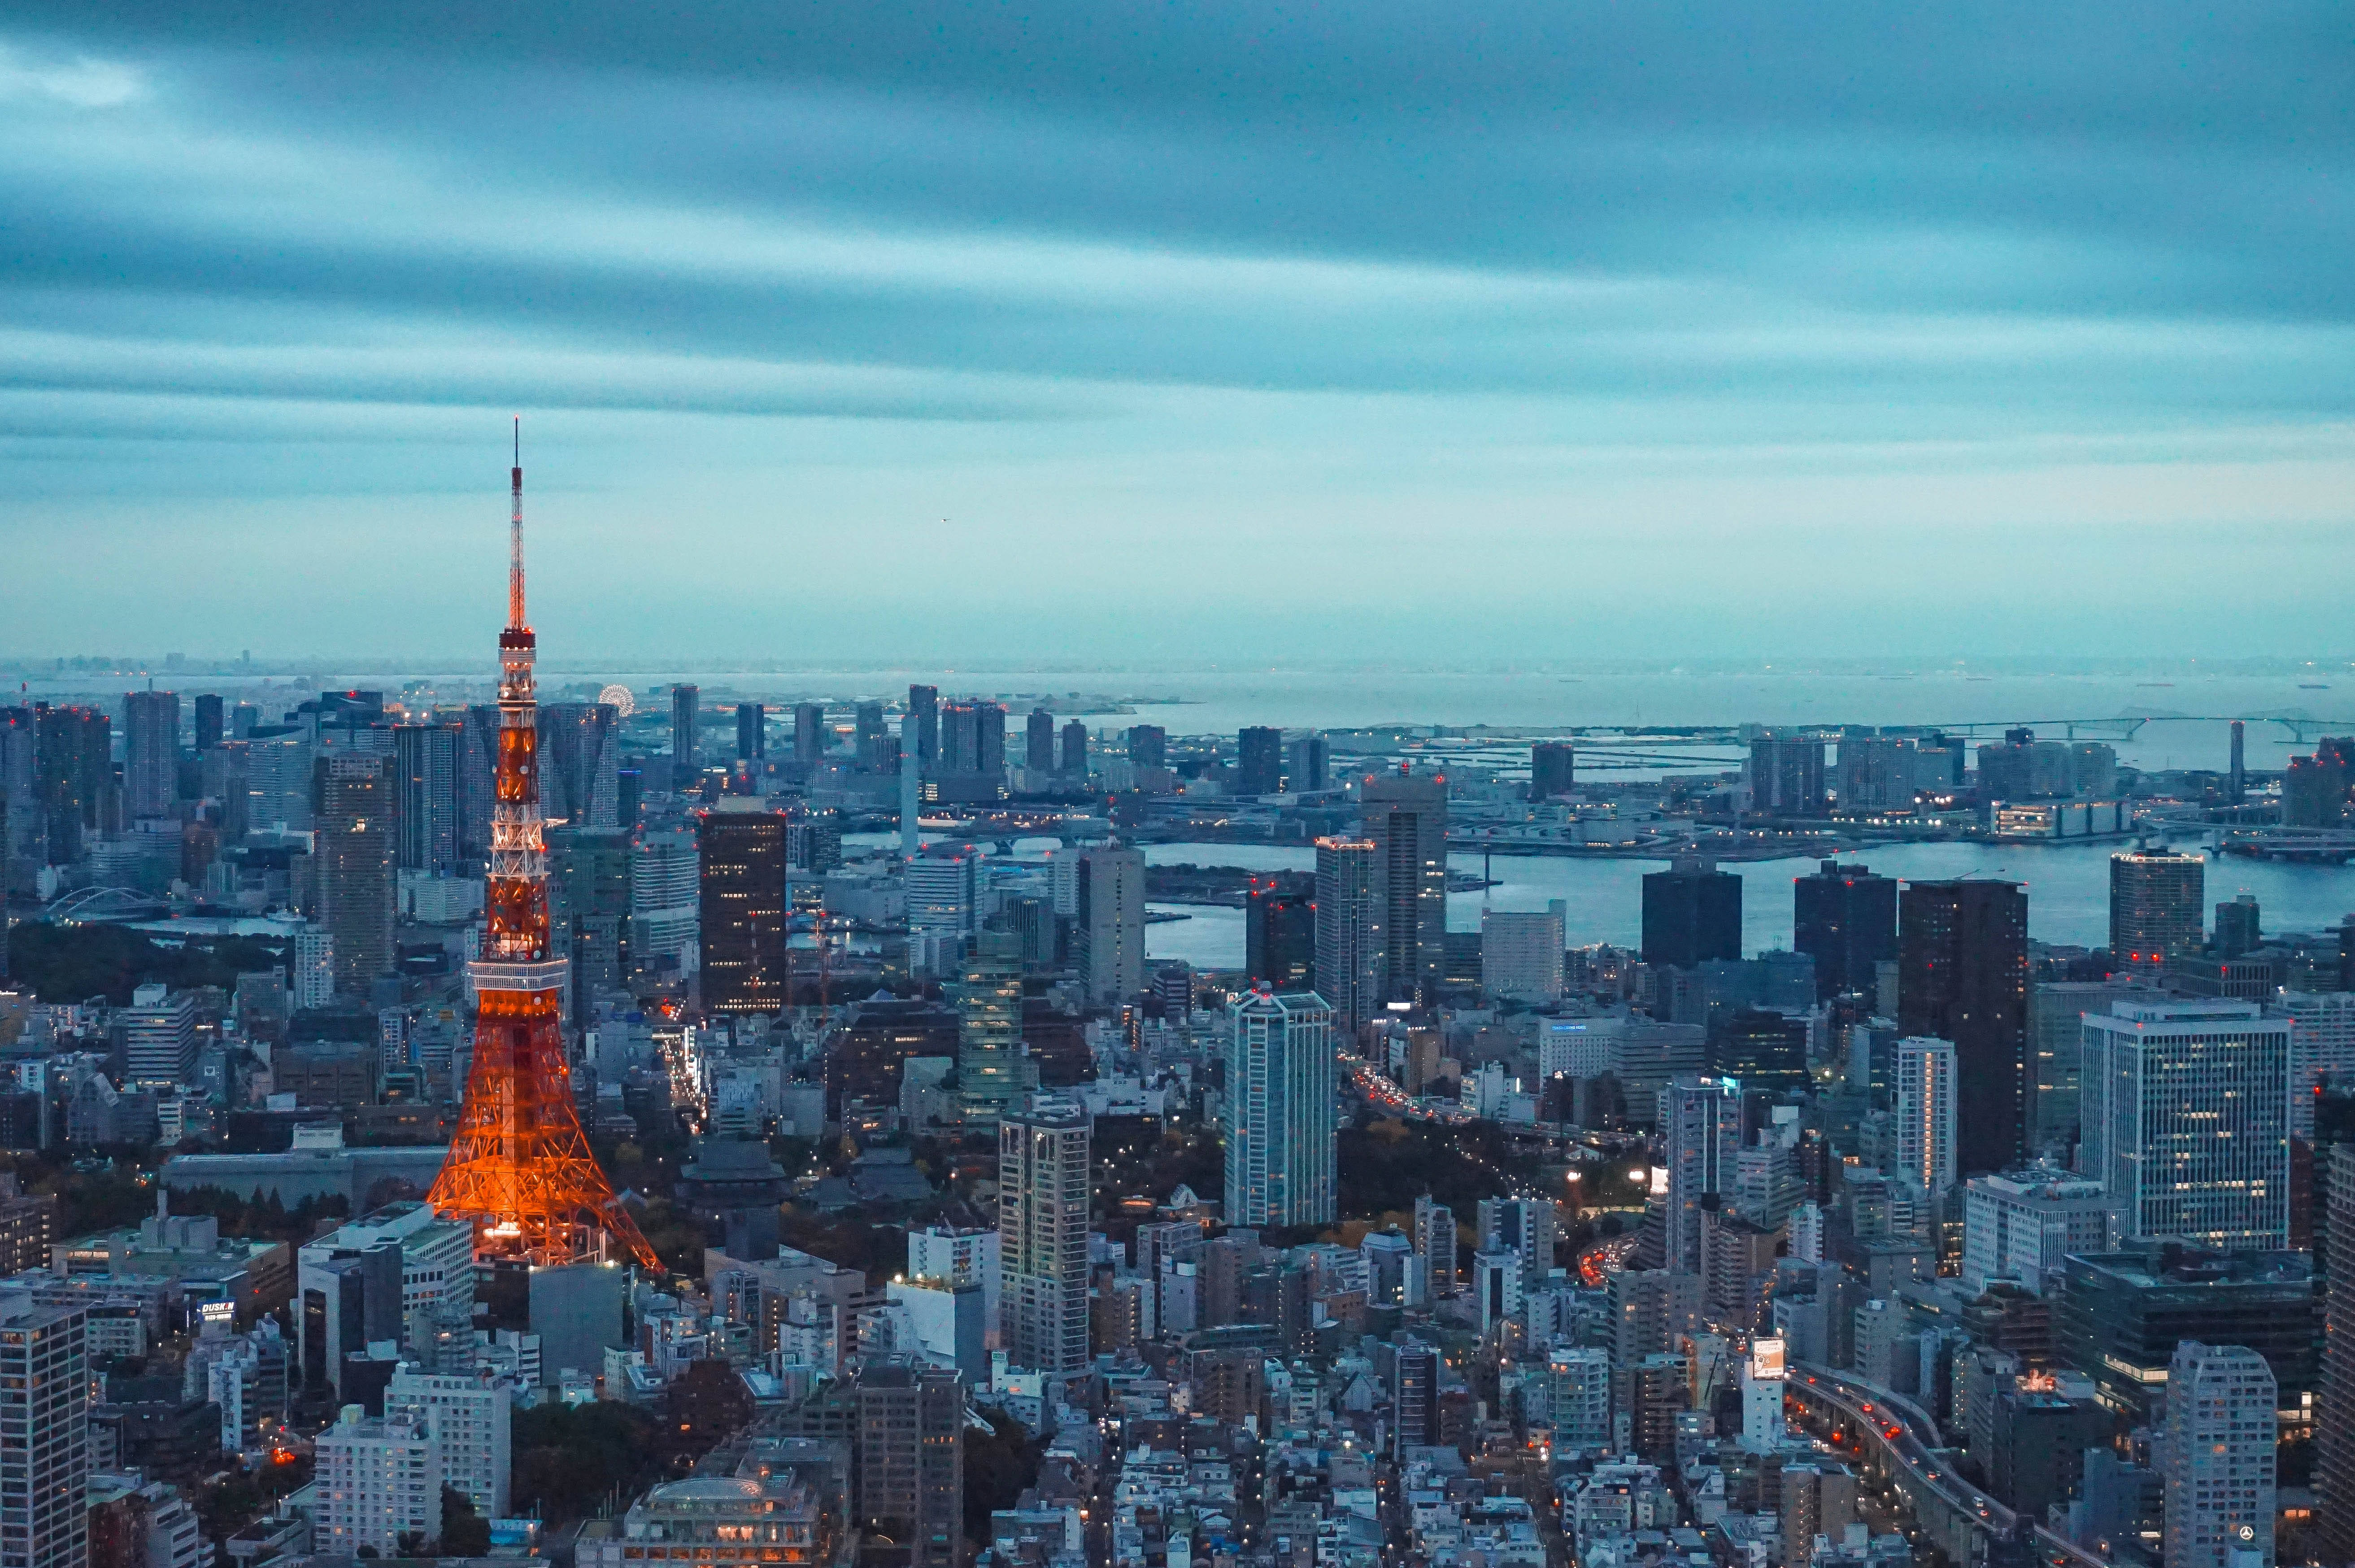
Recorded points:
(1488, 312)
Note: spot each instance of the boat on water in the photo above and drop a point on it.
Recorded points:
(2314, 686)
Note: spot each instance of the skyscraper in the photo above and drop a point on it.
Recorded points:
(910, 1453)
(1554, 769)
(1845, 918)
(1405, 817)
(1962, 957)
(45, 1417)
(924, 707)
(579, 764)
(1786, 776)
(991, 1071)
(2185, 1107)
(73, 768)
(1280, 1110)
(1701, 1122)
(2216, 1460)
(1039, 742)
(1924, 1082)
(208, 721)
(1280, 938)
(1306, 765)
(2236, 777)
(809, 734)
(752, 731)
(425, 776)
(740, 842)
(1348, 915)
(1075, 749)
(1110, 935)
(151, 752)
(355, 850)
(1693, 912)
(685, 719)
(1042, 1234)
(1523, 1227)
(2158, 901)
(1435, 1243)
(1258, 760)
(1148, 745)
(943, 894)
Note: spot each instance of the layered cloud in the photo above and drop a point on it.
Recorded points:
(1422, 315)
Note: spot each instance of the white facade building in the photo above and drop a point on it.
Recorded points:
(959, 1257)
(1521, 953)
(1043, 1183)
(1923, 1086)
(2216, 1460)
(377, 1480)
(2321, 1049)
(468, 1417)
(2023, 1225)
(1280, 1109)
(160, 1036)
(2186, 1114)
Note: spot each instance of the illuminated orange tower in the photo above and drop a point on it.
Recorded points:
(520, 1166)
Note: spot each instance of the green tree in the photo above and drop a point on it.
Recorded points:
(998, 1467)
(465, 1532)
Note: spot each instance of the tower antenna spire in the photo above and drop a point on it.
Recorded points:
(515, 538)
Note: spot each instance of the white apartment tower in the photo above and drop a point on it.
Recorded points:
(1042, 1234)
(1923, 1085)
(378, 1480)
(2216, 1460)
(44, 1432)
(1280, 1108)
(467, 1418)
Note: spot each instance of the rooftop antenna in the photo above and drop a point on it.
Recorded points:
(515, 538)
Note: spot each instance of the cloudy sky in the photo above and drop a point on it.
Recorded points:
(1222, 330)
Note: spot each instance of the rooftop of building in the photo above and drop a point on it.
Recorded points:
(2173, 1264)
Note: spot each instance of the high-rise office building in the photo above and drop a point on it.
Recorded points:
(741, 845)
(1258, 760)
(1845, 918)
(1110, 935)
(2238, 926)
(752, 731)
(355, 845)
(207, 719)
(1962, 957)
(1281, 1104)
(1554, 769)
(1521, 953)
(1923, 1083)
(1700, 1124)
(425, 776)
(685, 720)
(1349, 930)
(942, 894)
(2321, 1050)
(478, 751)
(1692, 912)
(2157, 902)
(44, 1433)
(1307, 764)
(73, 772)
(2216, 1460)
(151, 752)
(2022, 1226)
(991, 1071)
(910, 1453)
(809, 734)
(1148, 745)
(1786, 776)
(868, 732)
(1405, 817)
(665, 899)
(972, 740)
(589, 907)
(159, 1042)
(1039, 742)
(1043, 1184)
(924, 707)
(1280, 938)
(579, 764)
(2185, 1107)
(1075, 749)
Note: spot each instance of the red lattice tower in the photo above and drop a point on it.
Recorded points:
(520, 1166)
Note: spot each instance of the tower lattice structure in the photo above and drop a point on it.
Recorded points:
(520, 1167)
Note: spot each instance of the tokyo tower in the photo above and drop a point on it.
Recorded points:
(520, 1166)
